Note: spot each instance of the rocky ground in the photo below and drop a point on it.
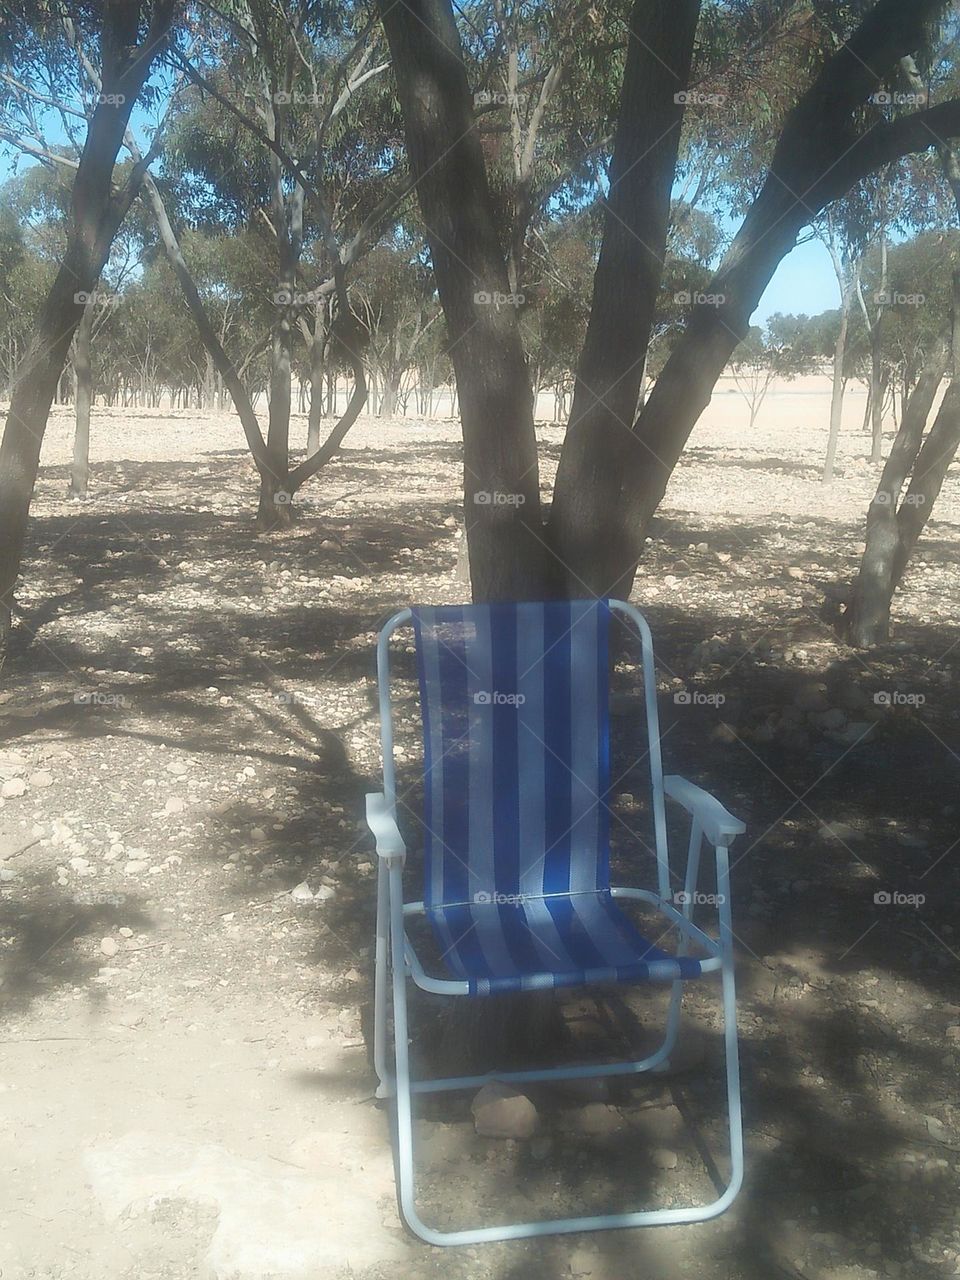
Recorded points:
(186, 889)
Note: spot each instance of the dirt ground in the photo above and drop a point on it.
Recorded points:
(188, 728)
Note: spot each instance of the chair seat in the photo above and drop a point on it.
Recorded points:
(528, 944)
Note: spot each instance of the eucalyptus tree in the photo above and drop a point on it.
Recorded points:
(920, 457)
(614, 465)
(130, 37)
(275, 135)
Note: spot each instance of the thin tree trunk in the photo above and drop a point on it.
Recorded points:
(80, 467)
(877, 389)
(939, 450)
(318, 353)
(866, 620)
(867, 409)
(836, 391)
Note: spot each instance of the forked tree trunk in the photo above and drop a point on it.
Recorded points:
(866, 620)
(613, 471)
(80, 466)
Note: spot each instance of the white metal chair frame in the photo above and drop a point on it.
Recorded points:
(709, 820)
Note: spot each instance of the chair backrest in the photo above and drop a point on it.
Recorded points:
(514, 699)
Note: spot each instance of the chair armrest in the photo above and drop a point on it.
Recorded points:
(383, 824)
(719, 826)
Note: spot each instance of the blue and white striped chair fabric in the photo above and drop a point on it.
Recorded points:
(514, 700)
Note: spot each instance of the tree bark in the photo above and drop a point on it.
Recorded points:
(80, 466)
(939, 450)
(318, 362)
(817, 159)
(866, 620)
(836, 390)
(589, 538)
(501, 486)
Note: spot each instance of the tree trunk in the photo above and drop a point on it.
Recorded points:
(80, 467)
(501, 485)
(592, 543)
(939, 450)
(836, 392)
(95, 215)
(867, 409)
(275, 509)
(876, 390)
(866, 620)
(317, 371)
(391, 390)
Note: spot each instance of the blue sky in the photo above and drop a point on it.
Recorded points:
(804, 283)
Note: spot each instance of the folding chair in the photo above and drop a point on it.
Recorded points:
(514, 701)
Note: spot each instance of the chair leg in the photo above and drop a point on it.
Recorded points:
(385, 1088)
(406, 1183)
(406, 1187)
(731, 1042)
